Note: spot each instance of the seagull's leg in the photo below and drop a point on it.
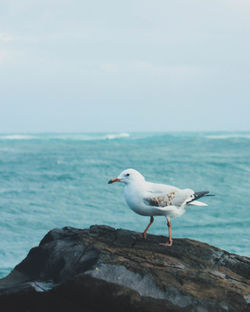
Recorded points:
(170, 241)
(144, 235)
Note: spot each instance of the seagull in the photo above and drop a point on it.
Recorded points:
(152, 199)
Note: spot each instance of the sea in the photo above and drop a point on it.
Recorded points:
(53, 180)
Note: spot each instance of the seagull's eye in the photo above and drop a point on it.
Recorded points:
(127, 175)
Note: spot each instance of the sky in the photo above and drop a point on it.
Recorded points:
(123, 66)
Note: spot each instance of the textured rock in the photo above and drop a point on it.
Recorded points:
(103, 268)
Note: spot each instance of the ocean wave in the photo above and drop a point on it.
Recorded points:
(17, 137)
(87, 137)
(117, 136)
(228, 136)
(73, 137)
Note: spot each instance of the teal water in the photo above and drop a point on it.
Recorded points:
(56, 180)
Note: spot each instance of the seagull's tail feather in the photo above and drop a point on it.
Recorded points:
(197, 203)
(198, 195)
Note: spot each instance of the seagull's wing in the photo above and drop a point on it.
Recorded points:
(159, 195)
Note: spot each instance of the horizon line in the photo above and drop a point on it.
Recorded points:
(120, 132)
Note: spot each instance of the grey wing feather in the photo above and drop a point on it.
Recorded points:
(173, 198)
(156, 201)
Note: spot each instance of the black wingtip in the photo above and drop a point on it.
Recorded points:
(198, 195)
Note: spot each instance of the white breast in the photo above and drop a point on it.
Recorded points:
(134, 198)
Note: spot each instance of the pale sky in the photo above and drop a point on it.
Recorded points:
(135, 65)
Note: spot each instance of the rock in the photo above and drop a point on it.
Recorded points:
(102, 268)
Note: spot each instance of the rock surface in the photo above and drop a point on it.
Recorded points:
(102, 268)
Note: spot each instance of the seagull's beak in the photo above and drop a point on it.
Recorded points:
(114, 180)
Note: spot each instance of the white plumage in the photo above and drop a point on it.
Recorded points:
(152, 199)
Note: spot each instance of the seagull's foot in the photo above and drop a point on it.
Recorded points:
(144, 235)
(168, 244)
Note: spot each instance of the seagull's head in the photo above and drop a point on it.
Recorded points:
(128, 176)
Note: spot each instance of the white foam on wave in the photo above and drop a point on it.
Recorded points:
(228, 136)
(117, 136)
(93, 137)
(17, 137)
(76, 136)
